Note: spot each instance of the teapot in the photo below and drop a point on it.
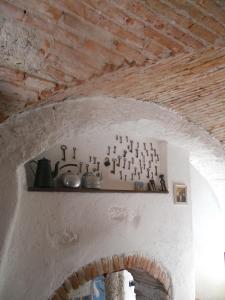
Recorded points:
(43, 177)
(91, 180)
(69, 179)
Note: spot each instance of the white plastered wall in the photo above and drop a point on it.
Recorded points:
(208, 240)
(28, 230)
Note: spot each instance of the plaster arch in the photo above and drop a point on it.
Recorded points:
(26, 135)
(107, 265)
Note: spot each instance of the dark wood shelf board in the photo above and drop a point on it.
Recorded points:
(82, 190)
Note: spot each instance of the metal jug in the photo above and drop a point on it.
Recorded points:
(91, 180)
(43, 177)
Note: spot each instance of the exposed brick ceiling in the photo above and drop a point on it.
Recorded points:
(167, 51)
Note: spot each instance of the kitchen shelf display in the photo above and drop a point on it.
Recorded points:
(124, 164)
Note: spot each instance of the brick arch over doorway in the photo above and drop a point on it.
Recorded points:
(112, 264)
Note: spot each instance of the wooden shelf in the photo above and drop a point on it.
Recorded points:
(82, 190)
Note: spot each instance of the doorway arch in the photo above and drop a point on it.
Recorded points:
(108, 265)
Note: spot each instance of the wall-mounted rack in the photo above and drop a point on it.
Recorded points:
(81, 190)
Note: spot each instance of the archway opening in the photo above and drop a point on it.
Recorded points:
(150, 280)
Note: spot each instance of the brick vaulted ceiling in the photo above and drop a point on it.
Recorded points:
(171, 52)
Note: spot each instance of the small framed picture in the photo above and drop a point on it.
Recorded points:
(180, 193)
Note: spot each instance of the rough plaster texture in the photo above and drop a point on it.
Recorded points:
(35, 131)
(19, 46)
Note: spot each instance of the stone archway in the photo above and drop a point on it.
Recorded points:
(112, 264)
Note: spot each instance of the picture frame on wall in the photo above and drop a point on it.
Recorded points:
(180, 193)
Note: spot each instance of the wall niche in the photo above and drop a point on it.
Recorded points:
(101, 163)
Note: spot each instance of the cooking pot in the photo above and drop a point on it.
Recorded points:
(91, 180)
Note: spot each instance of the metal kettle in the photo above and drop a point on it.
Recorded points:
(43, 177)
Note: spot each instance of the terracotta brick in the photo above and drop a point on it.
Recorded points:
(7, 74)
(116, 263)
(62, 293)
(58, 75)
(211, 23)
(11, 11)
(203, 33)
(212, 8)
(69, 54)
(168, 12)
(195, 12)
(156, 272)
(90, 15)
(167, 282)
(175, 47)
(138, 261)
(121, 262)
(3, 117)
(111, 265)
(39, 23)
(145, 264)
(105, 265)
(94, 272)
(156, 49)
(184, 37)
(67, 286)
(87, 272)
(131, 53)
(148, 268)
(81, 276)
(126, 259)
(134, 261)
(73, 69)
(129, 261)
(74, 281)
(55, 297)
(161, 276)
